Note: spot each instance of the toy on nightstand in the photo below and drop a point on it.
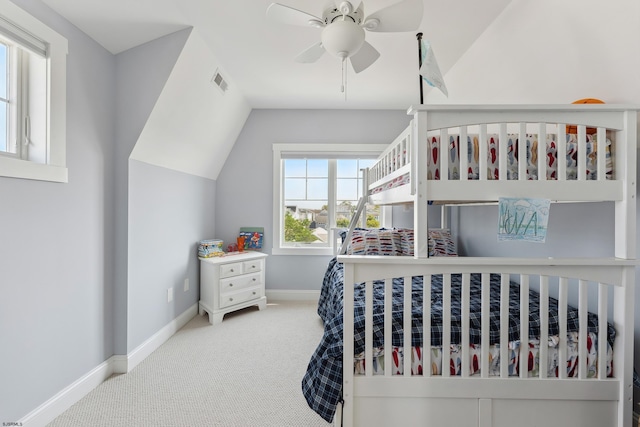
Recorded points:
(253, 237)
(210, 248)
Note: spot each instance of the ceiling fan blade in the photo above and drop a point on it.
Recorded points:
(403, 16)
(364, 57)
(311, 54)
(290, 16)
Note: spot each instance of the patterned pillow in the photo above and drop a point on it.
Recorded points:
(375, 242)
(441, 243)
(406, 241)
(398, 242)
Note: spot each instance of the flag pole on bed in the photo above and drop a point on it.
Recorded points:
(429, 70)
(419, 37)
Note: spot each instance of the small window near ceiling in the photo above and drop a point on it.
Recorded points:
(32, 97)
(5, 147)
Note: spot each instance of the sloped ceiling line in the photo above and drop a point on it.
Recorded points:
(193, 125)
(258, 54)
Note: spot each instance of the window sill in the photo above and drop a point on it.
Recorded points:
(15, 168)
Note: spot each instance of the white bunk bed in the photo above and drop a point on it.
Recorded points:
(494, 396)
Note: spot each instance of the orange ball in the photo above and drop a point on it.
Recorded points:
(590, 131)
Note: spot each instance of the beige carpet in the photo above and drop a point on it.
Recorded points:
(245, 371)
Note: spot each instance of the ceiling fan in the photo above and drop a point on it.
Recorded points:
(343, 25)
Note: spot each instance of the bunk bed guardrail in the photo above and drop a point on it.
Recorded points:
(601, 167)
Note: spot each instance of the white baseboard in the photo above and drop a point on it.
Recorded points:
(62, 401)
(117, 364)
(291, 295)
(149, 346)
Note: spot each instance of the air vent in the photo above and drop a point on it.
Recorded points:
(220, 82)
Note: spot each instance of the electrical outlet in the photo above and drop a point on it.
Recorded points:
(169, 294)
(186, 284)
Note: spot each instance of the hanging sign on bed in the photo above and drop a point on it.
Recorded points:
(523, 219)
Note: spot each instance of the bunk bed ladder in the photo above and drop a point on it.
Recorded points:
(352, 225)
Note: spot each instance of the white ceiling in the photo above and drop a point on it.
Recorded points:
(256, 54)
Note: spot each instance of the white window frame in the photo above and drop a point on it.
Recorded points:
(54, 167)
(279, 248)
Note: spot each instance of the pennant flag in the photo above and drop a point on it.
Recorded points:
(429, 69)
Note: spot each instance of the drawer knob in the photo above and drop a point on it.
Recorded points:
(253, 266)
(254, 279)
(230, 299)
(231, 285)
(254, 292)
(232, 270)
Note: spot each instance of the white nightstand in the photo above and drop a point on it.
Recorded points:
(231, 282)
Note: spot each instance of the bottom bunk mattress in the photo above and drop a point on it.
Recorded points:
(322, 382)
(475, 350)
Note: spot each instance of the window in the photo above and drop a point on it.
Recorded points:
(32, 97)
(5, 104)
(316, 190)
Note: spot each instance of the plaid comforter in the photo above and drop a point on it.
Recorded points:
(322, 382)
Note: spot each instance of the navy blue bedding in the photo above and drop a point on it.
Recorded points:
(322, 382)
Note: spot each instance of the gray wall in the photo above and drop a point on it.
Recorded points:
(574, 230)
(141, 73)
(169, 212)
(245, 195)
(78, 282)
(57, 244)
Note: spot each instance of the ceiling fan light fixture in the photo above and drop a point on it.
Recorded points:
(342, 38)
(343, 25)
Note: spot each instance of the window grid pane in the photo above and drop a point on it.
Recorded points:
(4, 72)
(347, 189)
(318, 168)
(317, 189)
(347, 168)
(294, 188)
(307, 207)
(4, 98)
(305, 201)
(295, 168)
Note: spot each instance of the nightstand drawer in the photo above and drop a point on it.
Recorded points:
(252, 266)
(233, 269)
(240, 297)
(233, 284)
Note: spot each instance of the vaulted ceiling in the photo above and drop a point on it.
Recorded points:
(255, 54)
(486, 51)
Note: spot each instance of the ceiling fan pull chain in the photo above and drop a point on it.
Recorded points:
(343, 88)
(342, 72)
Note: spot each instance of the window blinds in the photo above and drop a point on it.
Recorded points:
(22, 37)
